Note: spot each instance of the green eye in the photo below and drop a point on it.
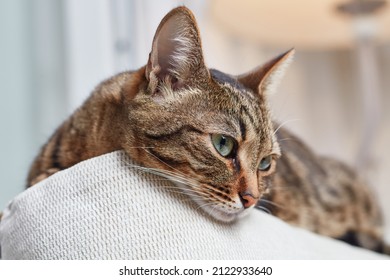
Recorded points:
(265, 163)
(225, 145)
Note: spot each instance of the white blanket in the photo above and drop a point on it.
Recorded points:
(103, 208)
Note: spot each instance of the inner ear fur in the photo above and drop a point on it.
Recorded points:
(176, 54)
(264, 79)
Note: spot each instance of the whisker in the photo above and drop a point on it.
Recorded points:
(284, 123)
(162, 161)
(272, 203)
(140, 147)
(213, 208)
(195, 187)
(179, 180)
(285, 139)
(162, 172)
(209, 192)
(188, 192)
(211, 188)
(284, 188)
(168, 175)
(182, 181)
(195, 190)
(263, 209)
(206, 204)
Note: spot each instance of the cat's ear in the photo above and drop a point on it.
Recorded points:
(265, 79)
(176, 56)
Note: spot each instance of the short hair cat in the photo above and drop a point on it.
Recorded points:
(212, 134)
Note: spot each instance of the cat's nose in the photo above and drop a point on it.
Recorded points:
(247, 199)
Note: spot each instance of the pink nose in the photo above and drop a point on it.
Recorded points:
(247, 199)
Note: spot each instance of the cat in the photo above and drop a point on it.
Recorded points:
(176, 116)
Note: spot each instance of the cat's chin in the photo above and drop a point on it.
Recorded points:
(224, 216)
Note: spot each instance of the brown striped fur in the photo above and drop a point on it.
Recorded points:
(163, 114)
(323, 195)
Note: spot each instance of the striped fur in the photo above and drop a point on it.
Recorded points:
(323, 195)
(163, 114)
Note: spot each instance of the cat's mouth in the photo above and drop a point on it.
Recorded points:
(223, 214)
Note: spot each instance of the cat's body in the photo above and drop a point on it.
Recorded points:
(323, 195)
(212, 133)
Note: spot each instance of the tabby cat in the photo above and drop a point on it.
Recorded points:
(179, 117)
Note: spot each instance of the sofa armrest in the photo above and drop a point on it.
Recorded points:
(105, 208)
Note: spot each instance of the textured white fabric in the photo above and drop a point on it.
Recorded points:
(104, 208)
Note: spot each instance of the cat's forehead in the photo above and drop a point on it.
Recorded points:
(251, 115)
(223, 78)
(233, 86)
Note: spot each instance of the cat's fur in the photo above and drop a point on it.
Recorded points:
(163, 114)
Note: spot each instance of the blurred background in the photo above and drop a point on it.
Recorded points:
(335, 95)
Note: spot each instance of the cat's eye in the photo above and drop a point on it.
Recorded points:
(265, 163)
(225, 145)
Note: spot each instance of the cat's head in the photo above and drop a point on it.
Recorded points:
(207, 131)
